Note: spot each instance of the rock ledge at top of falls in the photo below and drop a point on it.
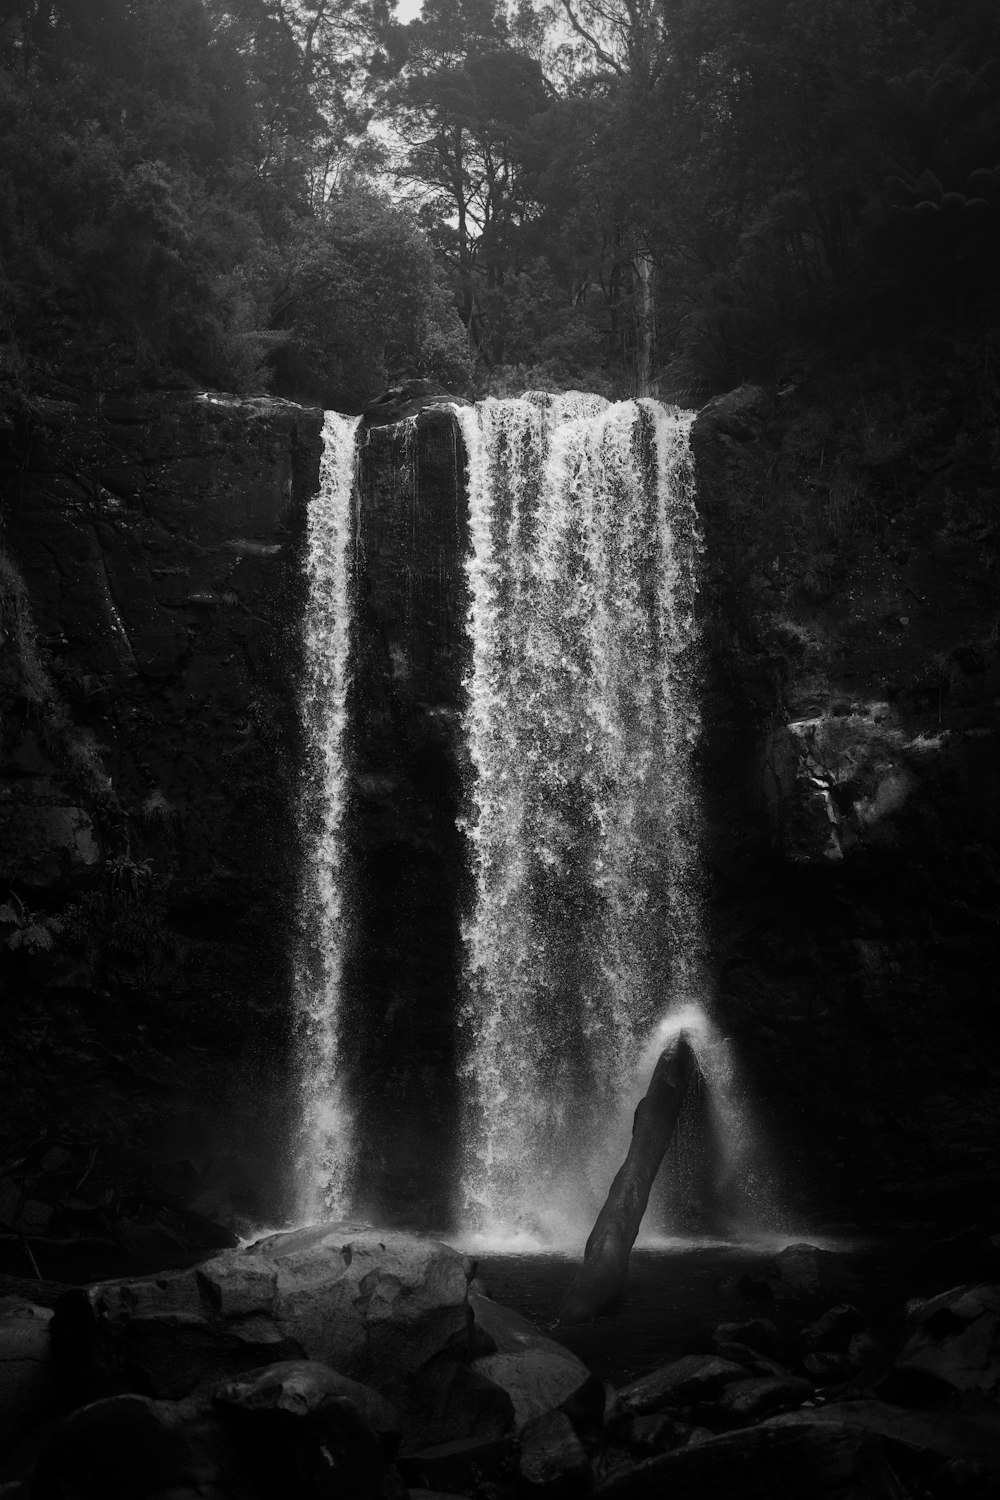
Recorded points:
(409, 399)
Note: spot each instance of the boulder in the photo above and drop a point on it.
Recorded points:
(862, 1350)
(655, 1434)
(802, 1272)
(25, 1365)
(758, 1334)
(447, 1401)
(305, 1388)
(747, 1401)
(462, 1465)
(834, 1330)
(954, 1342)
(367, 1301)
(695, 1377)
(164, 1336)
(375, 1306)
(552, 1461)
(538, 1381)
(969, 1437)
(305, 1430)
(538, 1373)
(808, 1462)
(825, 1365)
(133, 1448)
(742, 1354)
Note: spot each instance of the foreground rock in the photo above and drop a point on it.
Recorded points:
(811, 1461)
(553, 1462)
(365, 1301)
(696, 1377)
(450, 1392)
(308, 1430)
(971, 1438)
(953, 1345)
(747, 1401)
(26, 1379)
(306, 1388)
(293, 1430)
(802, 1273)
(537, 1373)
(374, 1306)
(134, 1447)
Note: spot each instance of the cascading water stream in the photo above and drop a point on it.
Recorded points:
(325, 1144)
(583, 941)
(583, 819)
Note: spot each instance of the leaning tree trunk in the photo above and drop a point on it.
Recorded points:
(600, 1279)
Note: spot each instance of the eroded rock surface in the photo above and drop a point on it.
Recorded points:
(147, 772)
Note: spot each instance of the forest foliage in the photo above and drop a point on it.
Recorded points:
(659, 195)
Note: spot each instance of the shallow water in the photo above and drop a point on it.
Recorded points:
(676, 1293)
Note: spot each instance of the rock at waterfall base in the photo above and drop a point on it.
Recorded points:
(445, 1400)
(457, 1466)
(810, 1462)
(305, 1388)
(834, 1330)
(298, 1428)
(749, 1400)
(655, 1434)
(376, 1307)
(802, 1272)
(538, 1373)
(963, 1437)
(552, 1460)
(367, 1301)
(758, 1334)
(695, 1377)
(953, 1345)
(133, 1448)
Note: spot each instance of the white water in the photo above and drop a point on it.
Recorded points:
(585, 941)
(584, 944)
(325, 1147)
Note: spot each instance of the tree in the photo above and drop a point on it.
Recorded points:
(466, 130)
(357, 295)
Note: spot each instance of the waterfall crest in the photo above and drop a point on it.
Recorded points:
(582, 820)
(325, 1145)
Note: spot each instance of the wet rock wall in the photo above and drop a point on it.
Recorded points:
(148, 753)
(850, 764)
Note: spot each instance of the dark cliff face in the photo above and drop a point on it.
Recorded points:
(407, 872)
(149, 746)
(150, 754)
(850, 765)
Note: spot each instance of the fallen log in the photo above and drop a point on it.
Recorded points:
(599, 1281)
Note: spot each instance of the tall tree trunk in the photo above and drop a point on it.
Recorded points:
(647, 382)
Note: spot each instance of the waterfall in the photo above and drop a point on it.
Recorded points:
(585, 928)
(325, 1145)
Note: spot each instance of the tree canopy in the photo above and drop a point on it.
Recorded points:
(663, 195)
